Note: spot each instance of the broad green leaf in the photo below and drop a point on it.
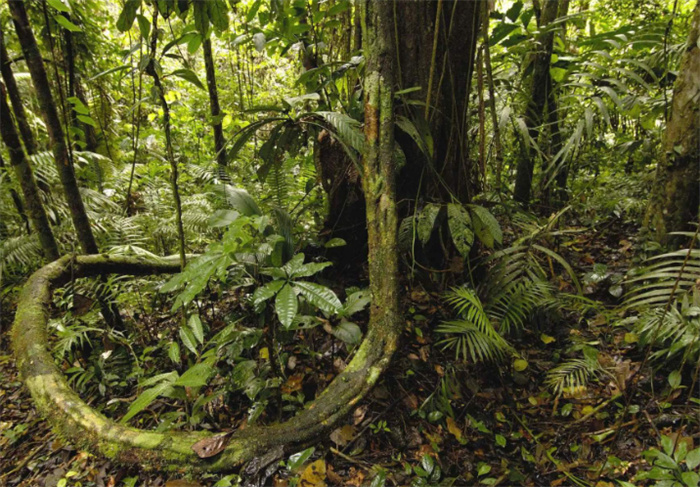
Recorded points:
(218, 14)
(348, 332)
(310, 269)
(265, 292)
(486, 226)
(196, 376)
(188, 75)
(144, 26)
(514, 11)
(335, 242)
(67, 24)
(460, 224)
(168, 377)
(294, 264)
(674, 379)
(195, 324)
(240, 200)
(145, 399)
(223, 218)
(690, 479)
(426, 222)
(319, 296)
(557, 74)
(286, 305)
(692, 459)
(128, 14)
(88, 120)
(78, 106)
(188, 339)
(59, 5)
(194, 43)
(356, 302)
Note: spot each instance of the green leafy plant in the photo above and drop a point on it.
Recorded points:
(673, 465)
(287, 285)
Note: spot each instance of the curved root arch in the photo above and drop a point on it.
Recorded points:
(89, 429)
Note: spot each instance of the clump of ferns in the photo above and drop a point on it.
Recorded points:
(487, 314)
(665, 302)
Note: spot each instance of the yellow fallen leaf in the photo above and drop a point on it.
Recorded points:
(264, 353)
(314, 475)
(546, 339)
(454, 429)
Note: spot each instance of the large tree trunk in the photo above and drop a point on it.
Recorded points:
(15, 99)
(436, 52)
(676, 195)
(24, 174)
(64, 165)
(214, 108)
(540, 87)
(88, 429)
(19, 206)
(61, 154)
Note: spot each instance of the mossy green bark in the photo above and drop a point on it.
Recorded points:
(88, 429)
(676, 195)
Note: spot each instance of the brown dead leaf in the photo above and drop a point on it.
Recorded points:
(292, 384)
(359, 415)
(208, 447)
(343, 435)
(411, 401)
(333, 477)
(314, 475)
(357, 477)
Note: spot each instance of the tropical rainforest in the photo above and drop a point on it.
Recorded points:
(349, 243)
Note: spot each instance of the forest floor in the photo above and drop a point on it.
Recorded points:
(507, 426)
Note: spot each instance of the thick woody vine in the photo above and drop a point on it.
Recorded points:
(87, 428)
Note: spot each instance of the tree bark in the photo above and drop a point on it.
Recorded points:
(24, 174)
(676, 194)
(214, 108)
(436, 52)
(378, 165)
(64, 165)
(19, 206)
(15, 99)
(540, 87)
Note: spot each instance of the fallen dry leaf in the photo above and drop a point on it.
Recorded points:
(314, 475)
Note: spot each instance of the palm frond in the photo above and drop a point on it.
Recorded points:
(572, 377)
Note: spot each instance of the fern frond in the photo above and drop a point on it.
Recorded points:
(572, 377)
(666, 275)
(473, 336)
